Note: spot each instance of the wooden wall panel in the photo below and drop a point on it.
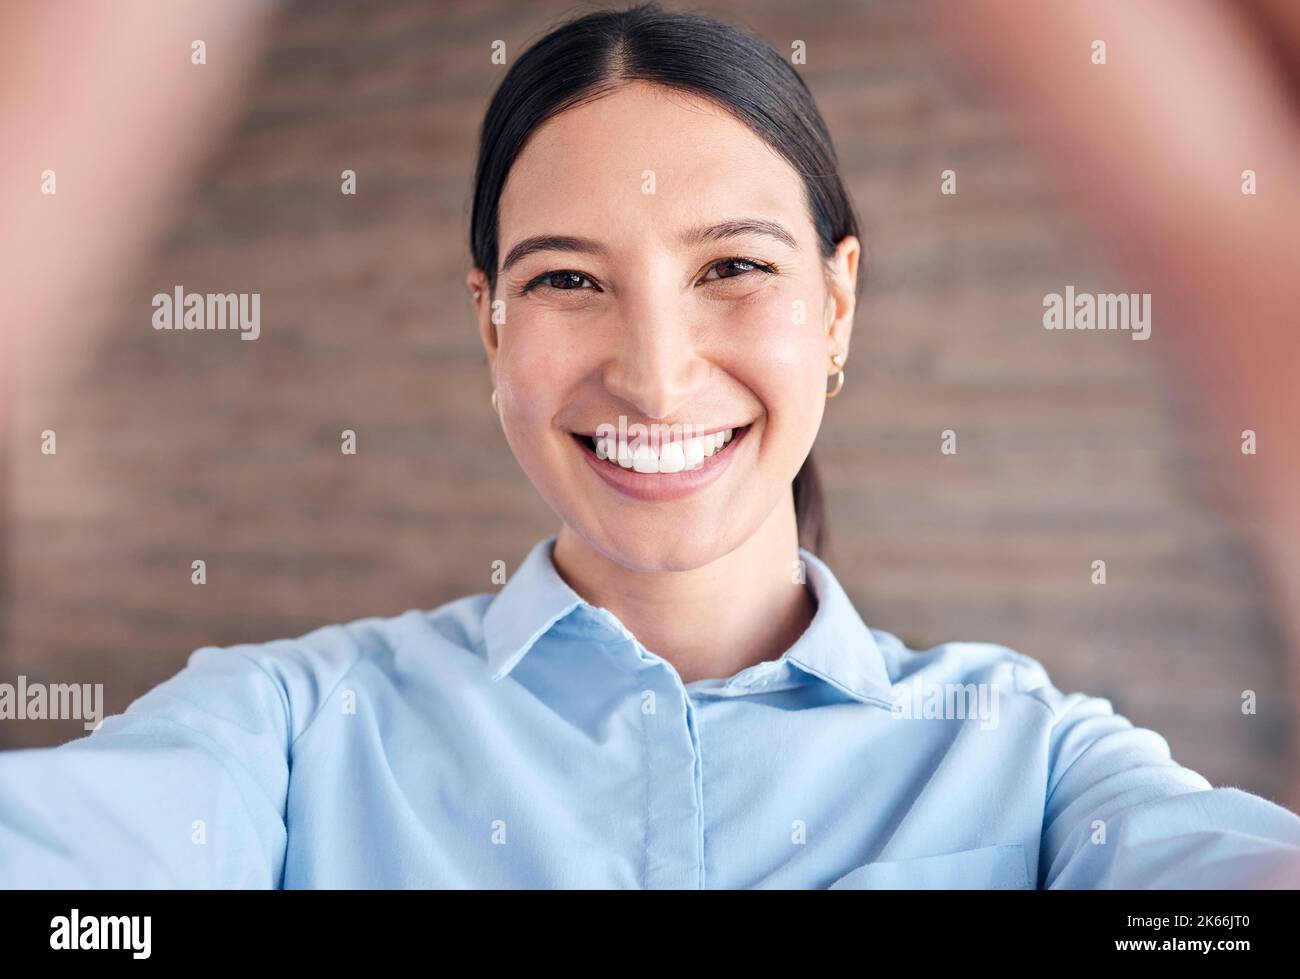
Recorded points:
(1072, 447)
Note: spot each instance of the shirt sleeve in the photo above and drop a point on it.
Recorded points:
(1121, 813)
(185, 789)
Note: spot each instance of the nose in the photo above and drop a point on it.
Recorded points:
(657, 369)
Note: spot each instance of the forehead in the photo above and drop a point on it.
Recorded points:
(647, 160)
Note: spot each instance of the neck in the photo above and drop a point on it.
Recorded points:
(712, 621)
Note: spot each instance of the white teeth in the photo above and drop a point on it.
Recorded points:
(644, 460)
(693, 452)
(672, 457)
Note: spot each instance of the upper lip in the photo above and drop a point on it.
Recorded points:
(662, 426)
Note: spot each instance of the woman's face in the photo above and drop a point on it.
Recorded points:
(659, 267)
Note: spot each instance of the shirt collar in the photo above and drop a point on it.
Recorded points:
(837, 647)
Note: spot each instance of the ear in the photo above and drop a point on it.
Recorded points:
(841, 281)
(481, 296)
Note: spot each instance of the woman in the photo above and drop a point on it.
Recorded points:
(671, 692)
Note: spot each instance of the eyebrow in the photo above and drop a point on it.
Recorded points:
(551, 243)
(736, 229)
(692, 236)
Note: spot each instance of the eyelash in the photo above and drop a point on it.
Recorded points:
(757, 266)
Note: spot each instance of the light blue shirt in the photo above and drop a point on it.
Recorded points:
(527, 739)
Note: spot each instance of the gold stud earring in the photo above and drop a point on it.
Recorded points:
(837, 360)
(495, 407)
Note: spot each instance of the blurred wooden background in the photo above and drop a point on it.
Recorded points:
(1072, 447)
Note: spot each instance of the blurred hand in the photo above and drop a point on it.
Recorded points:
(1154, 143)
(102, 103)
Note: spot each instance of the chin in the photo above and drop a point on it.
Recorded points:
(680, 546)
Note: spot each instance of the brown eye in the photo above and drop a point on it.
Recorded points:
(565, 280)
(734, 268)
(560, 280)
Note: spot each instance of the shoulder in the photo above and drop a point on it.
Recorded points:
(303, 671)
(1077, 734)
(1011, 673)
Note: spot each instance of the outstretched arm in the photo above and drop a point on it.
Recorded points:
(188, 788)
(1121, 813)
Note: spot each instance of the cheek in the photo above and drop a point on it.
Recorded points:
(541, 363)
(532, 377)
(533, 371)
(779, 352)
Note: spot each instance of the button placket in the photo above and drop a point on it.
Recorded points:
(674, 855)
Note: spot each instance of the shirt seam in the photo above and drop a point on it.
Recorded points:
(325, 701)
(1035, 694)
(278, 686)
(287, 705)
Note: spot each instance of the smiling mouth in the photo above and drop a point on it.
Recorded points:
(666, 458)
